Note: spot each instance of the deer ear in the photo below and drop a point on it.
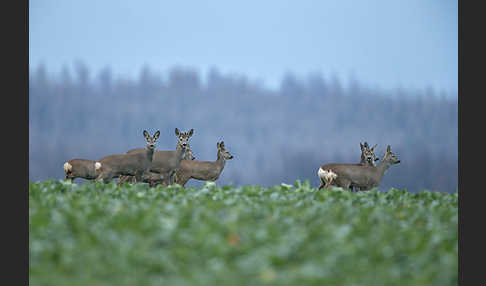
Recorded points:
(146, 134)
(221, 144)
(388, 149)
(177, 132)
(191, 132)
(361, 145)
(373, 149)
(217, 144)
(157, 134)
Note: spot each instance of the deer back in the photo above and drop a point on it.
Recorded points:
(126, 164)
(81, 168)
(204, 170)
(163, 161)
(201, 170)
(358, 175)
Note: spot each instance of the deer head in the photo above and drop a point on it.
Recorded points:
(368, 154)
(222, 152)
(390, 158)
(151, 140)
(183, 138)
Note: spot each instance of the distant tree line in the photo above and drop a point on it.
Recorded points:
(275, 135)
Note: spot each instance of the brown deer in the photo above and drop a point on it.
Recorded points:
(203, 170)
(166, 163)
(362, 177)
(134, 164)
(155, 178)
(368, 158)
(80, 168)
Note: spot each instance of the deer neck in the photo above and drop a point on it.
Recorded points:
(180, 152)
(382, 168)
(150, 154)
(220, 161)
(363, 160)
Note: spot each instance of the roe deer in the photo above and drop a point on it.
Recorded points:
(368, 158)
(135, 164)
(203, 170)
(155, 178)
(166, 163)
(363, 177)
(80, 168)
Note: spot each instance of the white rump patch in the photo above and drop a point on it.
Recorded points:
(97, 166)
(67, 167)
(326, 174)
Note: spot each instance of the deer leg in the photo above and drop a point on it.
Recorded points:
(106, 177)
(154, 182)
(138, 177)
(330, 182)
(341, 183)
(171, 178)
(130, 179)
(100, 176)
(347, 186)
(323, 183)
(122, 179)
(151, 178)
(165, 180)
(182, 181)
(357, 188)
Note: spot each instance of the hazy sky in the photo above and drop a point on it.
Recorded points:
(383, 43)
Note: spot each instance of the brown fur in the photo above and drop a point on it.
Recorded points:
(166, 163)
(203, 170)
(80, 168)
(363, 177)
(135, 164)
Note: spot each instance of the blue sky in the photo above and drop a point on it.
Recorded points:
(381, 43)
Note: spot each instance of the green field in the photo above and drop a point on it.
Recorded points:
(96, 234)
